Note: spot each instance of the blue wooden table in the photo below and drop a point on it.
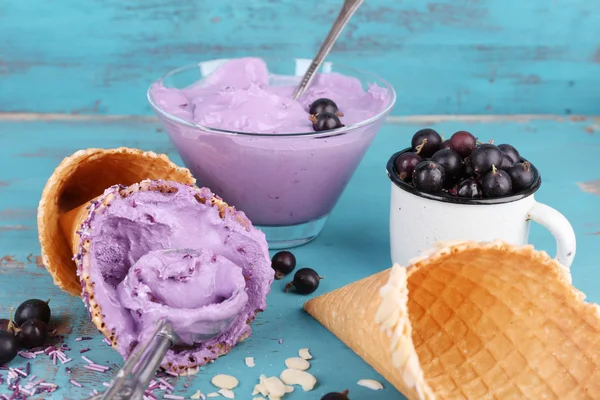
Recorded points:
(354, 243)
(73, 75)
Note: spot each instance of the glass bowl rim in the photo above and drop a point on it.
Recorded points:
(332, 132)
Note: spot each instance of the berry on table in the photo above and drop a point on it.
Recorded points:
(336, 396)
(510, 151)
(325, 121)
(283, 263)
(496, 183)
(33, 333)
(426, 142)
(429, 177)
(324, 105)
(451, 162)
(9, 347)
(521, 175)
(405, 164)
(484, 156)
(33, 308)
(306, 281)
(463, 143)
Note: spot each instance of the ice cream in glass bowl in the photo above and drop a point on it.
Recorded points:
(284, 162)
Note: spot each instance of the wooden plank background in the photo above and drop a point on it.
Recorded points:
(443, 57)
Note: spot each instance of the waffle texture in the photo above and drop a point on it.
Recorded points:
(472, 320)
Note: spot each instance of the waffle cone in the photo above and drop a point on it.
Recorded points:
(78, 179)
(472, 321)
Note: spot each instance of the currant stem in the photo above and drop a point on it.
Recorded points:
(420, 147)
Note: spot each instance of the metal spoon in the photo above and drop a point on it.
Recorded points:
(133, 378)
(348, 9)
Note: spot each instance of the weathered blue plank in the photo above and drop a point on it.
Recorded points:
(477, 56)
(354, 243)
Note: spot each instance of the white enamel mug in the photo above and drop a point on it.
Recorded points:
(418, 220)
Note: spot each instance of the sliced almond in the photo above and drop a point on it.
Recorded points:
(274, 386)
(227, 393)
(250, 362)
(196, 396)
(371, 384)
(271, 397)
(297, 363)
(223, 381)
(213, 394)
(260, 387)
(289, 389)
(297, 377)
(305, 353)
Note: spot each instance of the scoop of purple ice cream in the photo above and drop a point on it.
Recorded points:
(163, 249)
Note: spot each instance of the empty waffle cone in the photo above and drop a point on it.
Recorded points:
(472, 321)
(80, 178)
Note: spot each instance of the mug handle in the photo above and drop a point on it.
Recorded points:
(559, 227)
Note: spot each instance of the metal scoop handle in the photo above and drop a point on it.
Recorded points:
(347, 11)
(133, 378)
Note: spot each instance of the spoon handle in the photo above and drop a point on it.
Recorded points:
(348, 9)
(135, 375)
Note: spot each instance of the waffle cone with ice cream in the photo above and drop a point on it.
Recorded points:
(128, 231)
(471, 321)
(80, 178)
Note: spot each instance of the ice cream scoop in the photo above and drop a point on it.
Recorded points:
(133, 378)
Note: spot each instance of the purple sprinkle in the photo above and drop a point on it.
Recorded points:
(99, 366)
(167, 384)
(280, 341)
(87, 360)
(75, 383)
(67, 370)
(84, 350)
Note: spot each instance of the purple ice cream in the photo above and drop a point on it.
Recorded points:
(278, 179)
(164, 249)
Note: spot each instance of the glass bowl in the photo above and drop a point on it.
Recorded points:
(287, 184)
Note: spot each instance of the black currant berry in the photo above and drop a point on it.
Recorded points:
(484, 156)
(450, 161)
(33, 333)
(9, 347)
(510, 151)
(429, 177)
(426, 142)
(324, 105)
(469, 188)
(521, 175)
(405, 164)
(306, 281)
(336, 396)
(463, 143)
(283, 263)
(33, 308)
(496, 183)
(325, 121)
